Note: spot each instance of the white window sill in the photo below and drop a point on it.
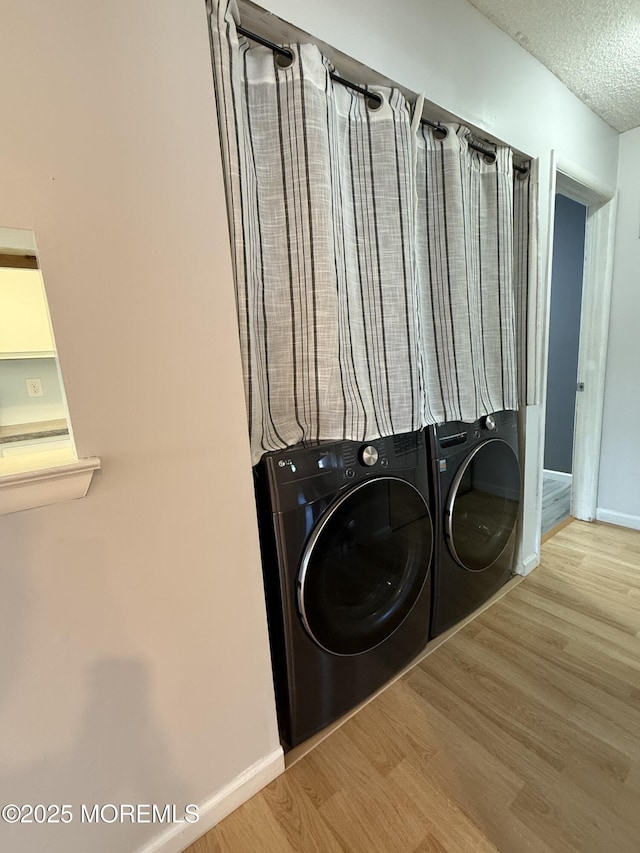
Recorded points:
(38, 479)
(11, 356)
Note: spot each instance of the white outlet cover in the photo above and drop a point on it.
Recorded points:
(34, 387)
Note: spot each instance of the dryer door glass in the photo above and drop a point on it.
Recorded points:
(365, 566)
(483, 505)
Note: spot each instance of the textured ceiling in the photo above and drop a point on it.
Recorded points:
(593, 46)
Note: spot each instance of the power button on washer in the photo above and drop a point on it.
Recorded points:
(368, 455)
(350, 473)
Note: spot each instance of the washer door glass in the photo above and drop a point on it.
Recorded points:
(483, 505)
(365, 566)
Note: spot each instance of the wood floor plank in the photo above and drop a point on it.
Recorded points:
(445, 820)
(300, 821)
(595, 579)
(601, 657)
(518, 667)
(567, 691)
(313, 780)
(632, 782)
(366, 814)
(478, 782)
(519, 734)
(482, 794)
(595, 605)
(604, 743)
(507, 711)
(521, 626)
(402, 714)
(239, 833)
(620, 798)
(607, 726)
(512, 751)
(583, 626)
(560, 721)
(430, 845)
(367, 730)
(598, 667)
(579, 823)
(465, 754)
(463, 768)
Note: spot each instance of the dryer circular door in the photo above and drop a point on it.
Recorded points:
(483, 505)
(365, 566)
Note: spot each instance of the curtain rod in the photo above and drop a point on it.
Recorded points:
(374, 101)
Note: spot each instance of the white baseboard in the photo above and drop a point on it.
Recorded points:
(561, 476)
(528, 564)
(619, 518)
(177, 837)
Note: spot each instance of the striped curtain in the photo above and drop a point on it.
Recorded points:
(464, 250)
(525, 281)
(384, 276)
(321, 195)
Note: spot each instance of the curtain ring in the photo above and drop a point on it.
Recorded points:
(440, 132)
(284, 60)
(490, 159)
(374, 101)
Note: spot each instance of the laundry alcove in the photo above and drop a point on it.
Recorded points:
(383, 265)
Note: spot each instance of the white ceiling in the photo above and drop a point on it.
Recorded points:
(593, 46)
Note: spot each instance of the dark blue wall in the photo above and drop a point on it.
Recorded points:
(564, 332)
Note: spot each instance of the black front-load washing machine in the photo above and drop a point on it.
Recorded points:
(477, 485)
(347, 540)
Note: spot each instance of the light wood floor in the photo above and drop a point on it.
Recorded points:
(520, 733)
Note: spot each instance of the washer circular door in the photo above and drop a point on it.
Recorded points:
(483, 505)
(365, 565)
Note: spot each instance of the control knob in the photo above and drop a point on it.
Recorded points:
(490, 422)
(369, 455)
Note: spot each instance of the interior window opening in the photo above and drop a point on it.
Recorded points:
(34, 417)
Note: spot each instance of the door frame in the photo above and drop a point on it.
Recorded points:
(600, 203)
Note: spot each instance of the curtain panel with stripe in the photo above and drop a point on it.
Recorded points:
(378, 285)
(464, 251)
(525, 282)
(321, 194)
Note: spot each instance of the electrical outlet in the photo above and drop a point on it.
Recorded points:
(34, 388)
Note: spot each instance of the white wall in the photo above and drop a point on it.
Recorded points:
(464, 64)
(133, 648)
(619, 483)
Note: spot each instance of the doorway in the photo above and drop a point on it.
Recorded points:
(600, 202)
(563, 349)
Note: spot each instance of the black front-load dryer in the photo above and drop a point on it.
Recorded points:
(476, 475)
(347, 540)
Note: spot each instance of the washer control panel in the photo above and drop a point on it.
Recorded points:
(305, 473)
(364, 458)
